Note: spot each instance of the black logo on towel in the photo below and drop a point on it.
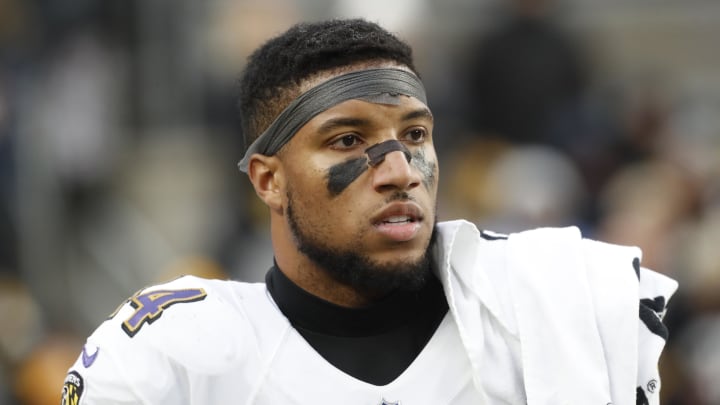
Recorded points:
(650, 313)
(652, 386)
(640, 398)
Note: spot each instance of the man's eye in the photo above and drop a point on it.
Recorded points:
(346, 141)
(416, 135)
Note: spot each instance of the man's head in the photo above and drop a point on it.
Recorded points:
(351, 186)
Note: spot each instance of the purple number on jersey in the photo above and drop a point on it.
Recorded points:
(150, 305)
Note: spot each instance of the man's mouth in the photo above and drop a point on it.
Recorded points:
(400, 219)
(400, 222)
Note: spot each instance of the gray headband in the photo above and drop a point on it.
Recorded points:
(374, 85)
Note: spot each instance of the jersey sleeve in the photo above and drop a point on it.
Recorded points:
(142, 353)
(117, 374)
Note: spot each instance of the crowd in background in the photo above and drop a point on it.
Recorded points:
(119, 139)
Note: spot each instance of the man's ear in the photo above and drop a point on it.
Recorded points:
(267, 177)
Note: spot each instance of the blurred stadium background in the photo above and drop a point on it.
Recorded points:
(118, 145)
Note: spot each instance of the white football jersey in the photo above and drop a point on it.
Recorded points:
(196, 341)
(539, 317)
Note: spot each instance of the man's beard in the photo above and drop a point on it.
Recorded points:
(359, 271)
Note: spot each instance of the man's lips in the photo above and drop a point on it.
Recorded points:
(410, 210)
(400, 221)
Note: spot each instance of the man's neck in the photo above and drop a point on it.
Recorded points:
(374, 344)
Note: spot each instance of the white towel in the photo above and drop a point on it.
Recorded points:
(577, 306)
(550, 318)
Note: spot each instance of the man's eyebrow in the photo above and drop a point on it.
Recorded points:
(340, 122)
(334, 123)
(419, 113)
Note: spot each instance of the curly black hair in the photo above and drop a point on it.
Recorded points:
(276, 70)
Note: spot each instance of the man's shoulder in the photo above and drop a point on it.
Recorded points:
(462, 233)
(179, 306)
(463, 242)
(165, 334)
(186, 320)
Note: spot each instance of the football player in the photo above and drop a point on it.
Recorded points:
(371, 300)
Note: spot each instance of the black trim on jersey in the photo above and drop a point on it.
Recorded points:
(373, 344)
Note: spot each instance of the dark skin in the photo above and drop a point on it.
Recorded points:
(385, 214)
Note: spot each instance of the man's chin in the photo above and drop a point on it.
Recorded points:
(382, 272)
(383, 277)
(405, 267)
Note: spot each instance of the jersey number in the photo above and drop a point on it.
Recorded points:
(150, 305)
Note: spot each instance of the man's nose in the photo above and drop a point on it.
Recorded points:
(395, 172)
